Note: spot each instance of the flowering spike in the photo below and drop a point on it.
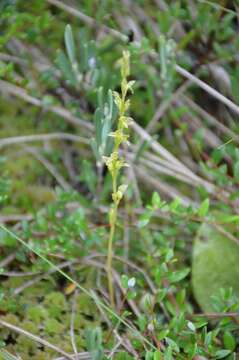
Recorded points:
(113, 162)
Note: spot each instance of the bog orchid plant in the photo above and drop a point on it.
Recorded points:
(115, 162)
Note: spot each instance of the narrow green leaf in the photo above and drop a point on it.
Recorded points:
(229, 341)
(178, 275)
(144, 220)
(236, 171)
(124, 281)
(203, 209)
(65, 67)
(230, 219)
(191, 326)
(5, 355)
(69, 42)
(156, 201)
(220, 354)
(158, 355)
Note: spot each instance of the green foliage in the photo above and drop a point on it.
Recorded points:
(214, 266)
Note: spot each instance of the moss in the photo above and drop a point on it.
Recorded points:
(55, 303)
(46, 313)
(53, 326)
(5, 332)
(40, 355)
(12, 283)
(215, 265)
(9, 305)
(29, 179)
(38, 291)
(29, 326)
(27, 193)
(37, 314)
(85, 305)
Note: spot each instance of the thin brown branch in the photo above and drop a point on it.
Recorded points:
(6, 87)
(42, 276)
(88, 20)
(15, 218)
(42, 137)
(161, 186)
(11, 257)
(211, 119)
(164, 153)
(210, 90)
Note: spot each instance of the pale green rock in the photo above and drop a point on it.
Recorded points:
(215, 265)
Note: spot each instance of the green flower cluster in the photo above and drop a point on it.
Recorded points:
(114, 163)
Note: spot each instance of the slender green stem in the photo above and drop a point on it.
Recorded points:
(109, 264)
(110, 243)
